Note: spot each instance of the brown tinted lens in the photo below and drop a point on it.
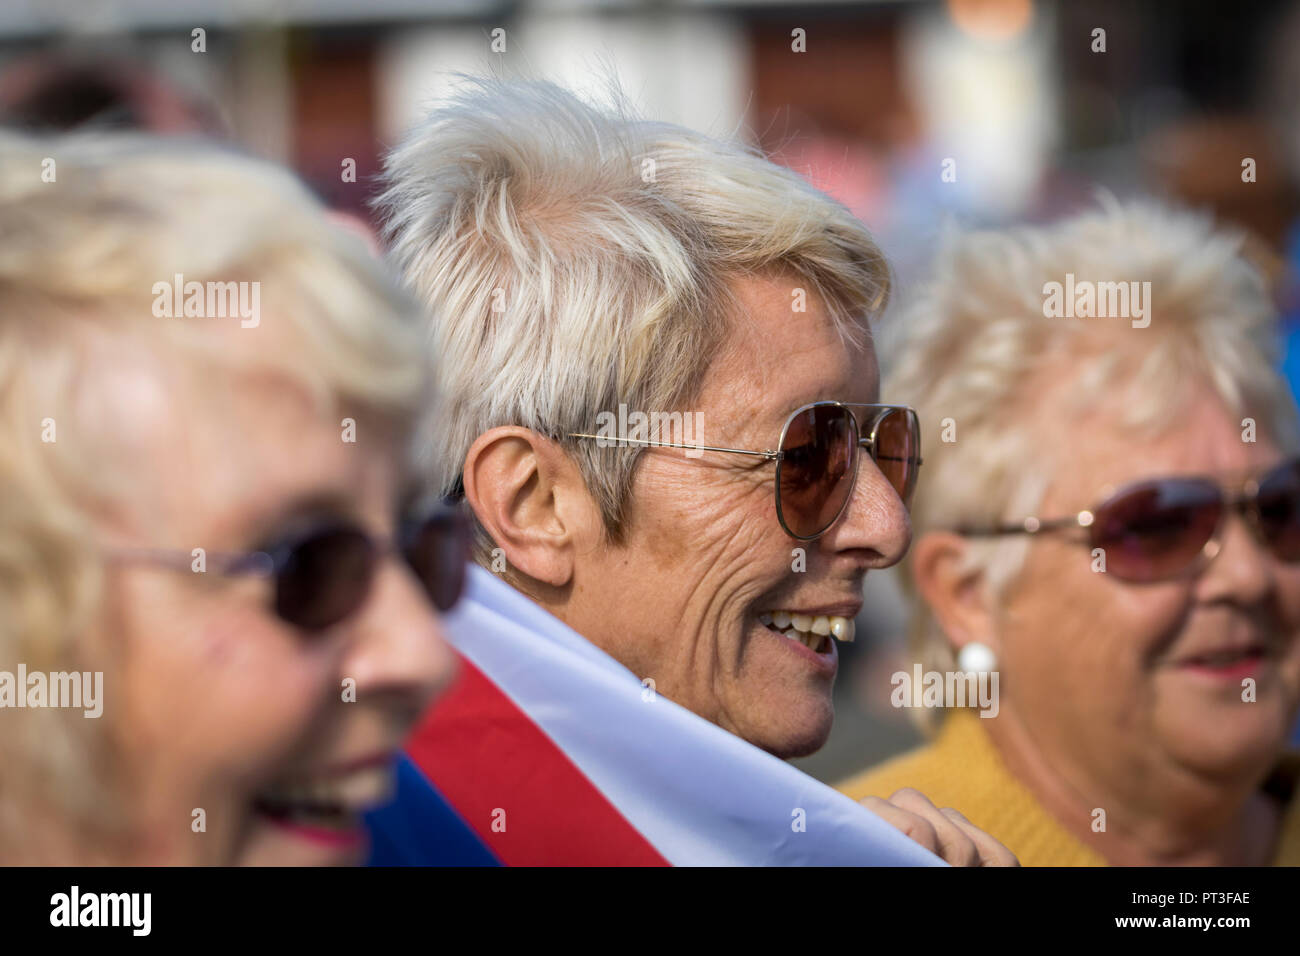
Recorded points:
(437, 548)
(815, 473)
(324, 578)
(896, 450)
(1157, 529)
(1279, 511)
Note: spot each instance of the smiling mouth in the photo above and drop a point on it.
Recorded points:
(326, 805)
(1227, 660)
(813, 631)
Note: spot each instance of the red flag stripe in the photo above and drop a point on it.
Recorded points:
(493, 764)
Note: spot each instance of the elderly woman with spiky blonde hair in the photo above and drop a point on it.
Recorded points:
(206, 394)
(1109, 524)
(595, 281)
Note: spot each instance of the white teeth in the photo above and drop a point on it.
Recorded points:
(354, 792)
(367, 788)
(811, 641)
(841, 628)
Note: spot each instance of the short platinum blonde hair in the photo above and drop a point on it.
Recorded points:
(576, 257)
(968, 346)
(83, 246)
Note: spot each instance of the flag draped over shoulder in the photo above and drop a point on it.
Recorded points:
(547, 751)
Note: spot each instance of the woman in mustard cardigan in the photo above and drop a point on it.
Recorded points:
(1107, 546)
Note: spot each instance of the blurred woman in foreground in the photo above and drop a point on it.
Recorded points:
(1109, 521)
(207, 393)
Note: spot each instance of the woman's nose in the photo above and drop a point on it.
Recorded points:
(874, 519)
(399, 648)
(1242, 569)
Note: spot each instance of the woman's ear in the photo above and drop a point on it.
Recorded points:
(530, 498)
(955, 593)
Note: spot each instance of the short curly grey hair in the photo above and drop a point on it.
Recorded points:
(965, 346)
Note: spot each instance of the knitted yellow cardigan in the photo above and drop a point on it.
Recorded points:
(963, 769)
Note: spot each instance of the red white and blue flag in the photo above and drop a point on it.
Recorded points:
(548, 752)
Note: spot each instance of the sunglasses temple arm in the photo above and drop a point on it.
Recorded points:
(618, 442)
(219, 562)
(1029, 526)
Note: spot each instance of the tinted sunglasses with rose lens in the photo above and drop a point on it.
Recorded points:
(817, 459)
(323, 570)
(1160, 528)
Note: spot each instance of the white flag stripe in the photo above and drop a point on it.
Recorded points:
(700, 795)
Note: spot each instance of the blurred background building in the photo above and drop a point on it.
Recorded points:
(912, 113)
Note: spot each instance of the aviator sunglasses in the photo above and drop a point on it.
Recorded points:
(323, 571)
(817, 459)
(1161, 528)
